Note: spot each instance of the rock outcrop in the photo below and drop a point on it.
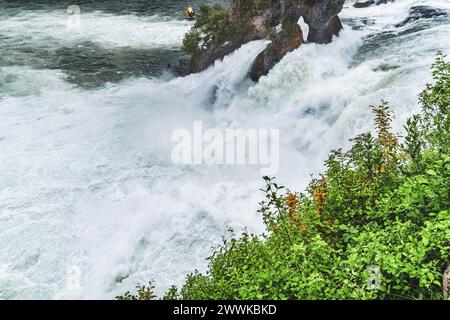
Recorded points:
(210, 55)
(277, 20)
(363, 4)
(321, 17)
(368, 3)
(421, 13)
(286, 41)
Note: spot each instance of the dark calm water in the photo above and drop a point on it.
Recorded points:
(82, 56)
(120, 39)
(173, 8)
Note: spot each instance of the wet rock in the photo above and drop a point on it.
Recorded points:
(211, 55)
(368, 3)
(261, 18)
(422, 12)
(326, 32)
(364, 4)
(321, 18)
(286, 41)
(184, 63)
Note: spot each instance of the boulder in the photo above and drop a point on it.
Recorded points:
(326, 32)
(321, 18)
(323, 24)
(211, 55)
(422, 12)
(368, 3)
(285, 41)
(260, 18)
(364, 4)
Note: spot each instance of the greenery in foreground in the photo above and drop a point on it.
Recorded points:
(383, 203)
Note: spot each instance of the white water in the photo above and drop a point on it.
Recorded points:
(90, 203)
(106, 29)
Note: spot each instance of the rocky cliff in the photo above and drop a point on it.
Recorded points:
(368, 3)
(274, 19)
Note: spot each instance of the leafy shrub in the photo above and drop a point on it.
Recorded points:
(212, 28)
(143, 293)
(375, 225)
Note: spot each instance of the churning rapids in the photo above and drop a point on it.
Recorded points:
(90, 202)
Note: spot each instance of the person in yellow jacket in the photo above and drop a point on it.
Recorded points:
(190, 14)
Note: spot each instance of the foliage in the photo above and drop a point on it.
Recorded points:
(382, 205)
(143, 293)
(212, 28)
(435, 102)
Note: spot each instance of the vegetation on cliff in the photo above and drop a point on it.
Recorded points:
(212, 28)
(219, 30)
(375, 225)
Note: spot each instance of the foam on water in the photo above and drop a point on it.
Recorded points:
(90, 173)
(90, 203)
(105, 29)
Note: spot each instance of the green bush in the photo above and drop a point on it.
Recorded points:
(375, 225)
(144, 292)
(212, 28)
